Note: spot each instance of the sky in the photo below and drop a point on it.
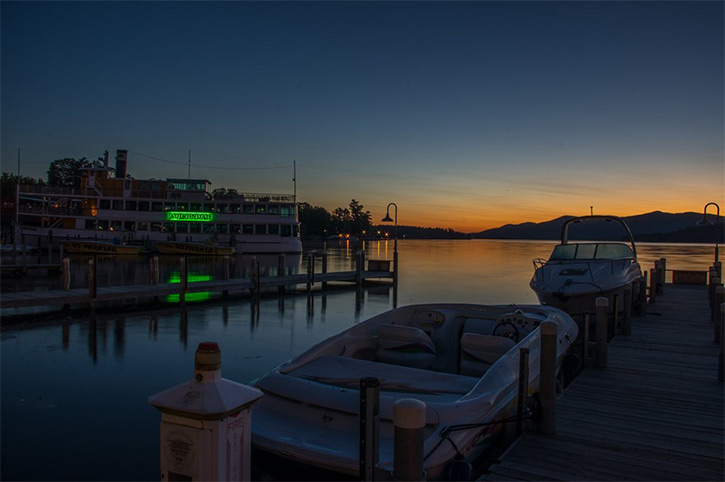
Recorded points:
(466, 115)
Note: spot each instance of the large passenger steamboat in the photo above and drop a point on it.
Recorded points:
(112, 207)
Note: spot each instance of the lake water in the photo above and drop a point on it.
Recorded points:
(75, 388)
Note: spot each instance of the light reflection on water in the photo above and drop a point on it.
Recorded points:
(75, 390)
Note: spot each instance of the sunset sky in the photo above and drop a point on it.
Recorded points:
(467, 115)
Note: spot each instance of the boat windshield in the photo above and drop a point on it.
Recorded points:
(591, 251)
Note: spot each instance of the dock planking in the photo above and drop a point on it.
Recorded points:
(656, 412)
(149, 291)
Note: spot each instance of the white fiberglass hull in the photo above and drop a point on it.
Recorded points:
(310, 407)
(574, 286)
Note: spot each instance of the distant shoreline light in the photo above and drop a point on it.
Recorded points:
(181, 216)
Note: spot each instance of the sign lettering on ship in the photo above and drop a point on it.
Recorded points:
(183, 216)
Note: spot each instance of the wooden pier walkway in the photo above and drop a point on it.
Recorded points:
(655, 412)
(150, 291)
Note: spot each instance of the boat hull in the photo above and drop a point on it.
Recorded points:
(92, 247)
(575, 286)
(310, 410)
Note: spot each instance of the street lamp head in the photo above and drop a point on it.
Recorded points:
(387, 218)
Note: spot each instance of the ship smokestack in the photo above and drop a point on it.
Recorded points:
(121, 157)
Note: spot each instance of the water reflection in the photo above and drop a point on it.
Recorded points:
(79, 385)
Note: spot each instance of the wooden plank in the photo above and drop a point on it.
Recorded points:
(145, 291)
(655, 413)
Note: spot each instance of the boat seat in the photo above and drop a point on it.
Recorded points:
(479, 352)
(405, 345)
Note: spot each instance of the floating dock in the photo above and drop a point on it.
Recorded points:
(141, 292)
(656, 411)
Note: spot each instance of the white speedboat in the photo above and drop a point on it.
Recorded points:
(462, 360)
(577, 273)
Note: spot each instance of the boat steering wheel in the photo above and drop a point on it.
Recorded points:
(507, 329)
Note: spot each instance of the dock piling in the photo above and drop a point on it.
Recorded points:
(66, 273)
(281, 263)
(547, 424)
(716, 310)
(652, 285)
(721, 356)
(369, 425)
(627, 315)
(523, 390)
(92, 286)
(602, 305)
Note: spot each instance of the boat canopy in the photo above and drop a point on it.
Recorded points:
(567, 224)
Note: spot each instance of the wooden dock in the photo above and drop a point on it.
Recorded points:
(655, 412)
(150, 291)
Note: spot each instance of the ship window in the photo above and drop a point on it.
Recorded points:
(273, 209)
(287, 210)
(155, 185)
(102, 225)
(143, 185)
(168, 227)
(236, 228)
(273, 229)
(169, 206)
(248, 208)
(118, 205)
(143, 205)
(260, 229)
(286, 230)
(142, 226)
(157, 206)
(248, 229)
(194, 228)
(209, 208)
(222, 208)
(296, 230)
(182, 228)
(195, 207)
(222, 228)
(235, 208)
(130, 205)
(261, 209)
(156, 227)
(182, 207)
(129, 225)
(104, 204)
(90, 224)
(116, 225)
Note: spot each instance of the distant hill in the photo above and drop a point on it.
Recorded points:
(651, 227)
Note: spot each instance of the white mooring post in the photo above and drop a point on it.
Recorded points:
(409, 417)
(206, 423)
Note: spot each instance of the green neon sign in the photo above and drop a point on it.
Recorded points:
(183, 216)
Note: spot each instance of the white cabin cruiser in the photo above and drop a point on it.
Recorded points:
(462, 360)
(577, 273)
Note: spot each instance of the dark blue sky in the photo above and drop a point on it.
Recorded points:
(467, 114)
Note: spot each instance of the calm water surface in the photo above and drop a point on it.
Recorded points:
(75, 388)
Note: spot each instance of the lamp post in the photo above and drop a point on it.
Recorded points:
(388, 219)
(704, 220)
